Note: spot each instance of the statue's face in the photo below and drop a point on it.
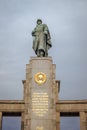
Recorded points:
(39, 22)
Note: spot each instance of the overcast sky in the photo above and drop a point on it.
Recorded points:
(67, 22)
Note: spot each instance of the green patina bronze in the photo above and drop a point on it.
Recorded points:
(42, 39)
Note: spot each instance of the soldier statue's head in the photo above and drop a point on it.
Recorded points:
(39, 21)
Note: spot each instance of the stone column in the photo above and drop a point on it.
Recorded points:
(86, 120)
(57, 120)
(22, 121)
(0, 120)
(83, 121)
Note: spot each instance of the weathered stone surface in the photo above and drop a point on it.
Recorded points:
(46, 118)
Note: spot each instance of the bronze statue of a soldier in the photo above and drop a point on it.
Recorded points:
(42, 39)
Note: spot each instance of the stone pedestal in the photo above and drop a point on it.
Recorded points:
(40, 94)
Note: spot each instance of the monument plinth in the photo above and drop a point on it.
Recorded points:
(40, 94)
